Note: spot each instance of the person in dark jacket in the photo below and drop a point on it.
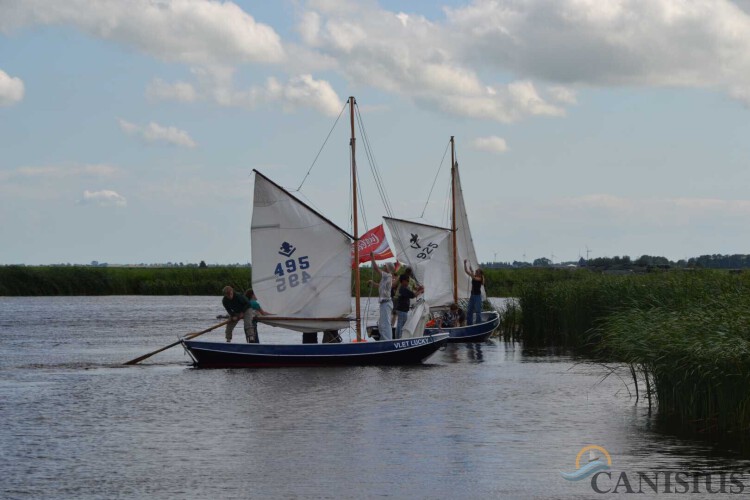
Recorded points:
(403, 303)
(237, 305)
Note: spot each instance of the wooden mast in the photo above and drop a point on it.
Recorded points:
(358, 317)
(453, 220)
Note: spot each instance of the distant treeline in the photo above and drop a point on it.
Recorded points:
(87, 280)
(642, 263)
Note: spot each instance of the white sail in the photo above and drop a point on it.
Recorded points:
(416, 320)
(427, 250)
(464, 242)
(301, 262)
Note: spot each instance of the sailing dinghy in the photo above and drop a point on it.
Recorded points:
(436, 256)
(302, 275)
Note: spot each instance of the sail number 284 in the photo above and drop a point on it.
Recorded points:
(291, 273)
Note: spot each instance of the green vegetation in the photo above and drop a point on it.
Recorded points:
(84, 280)
(694, 357)
(641, 264)
(685, 334)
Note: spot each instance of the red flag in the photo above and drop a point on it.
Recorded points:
(373, 241)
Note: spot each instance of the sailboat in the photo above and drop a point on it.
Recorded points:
(302, 274)
(436, 256)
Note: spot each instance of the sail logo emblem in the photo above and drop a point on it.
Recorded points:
(414, 241)
(287, 249)
(599, 460)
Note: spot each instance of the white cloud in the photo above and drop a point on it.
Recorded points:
(563, 95)
(153, 132)
(301, 91)
(538, 51)
(178, 91)
(415, 57)
(191, 31)
(501, 60)
(11, 89)
(103, 198)
(492, 144)
(629, 42)
(305, 91)
(61, 171)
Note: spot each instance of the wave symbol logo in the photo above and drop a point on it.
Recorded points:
(597, 462)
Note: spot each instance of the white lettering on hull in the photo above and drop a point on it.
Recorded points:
(411, 343)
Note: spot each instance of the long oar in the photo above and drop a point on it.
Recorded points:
(186, 337)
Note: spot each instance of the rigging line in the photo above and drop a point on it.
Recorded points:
(373, 165)
(321, 147)
(436, 178)
(371, 161)
(368, 149)
(362, 207)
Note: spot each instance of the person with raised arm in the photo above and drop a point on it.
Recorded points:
(474, 313)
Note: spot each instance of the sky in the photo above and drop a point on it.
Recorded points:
(129, 130)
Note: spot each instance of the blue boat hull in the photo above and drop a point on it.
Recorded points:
(474, 333)
(385, 352)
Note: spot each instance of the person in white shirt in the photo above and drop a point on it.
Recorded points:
(384, 297)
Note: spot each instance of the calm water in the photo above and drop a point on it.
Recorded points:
(477, 421)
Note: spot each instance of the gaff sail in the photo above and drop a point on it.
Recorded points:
(427, 250)
(464, 241)
(301, 262)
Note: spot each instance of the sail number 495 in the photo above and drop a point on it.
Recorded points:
(291, 273)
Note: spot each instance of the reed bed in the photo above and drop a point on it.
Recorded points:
(694, 359)
(686, 334)
(83, 280)
(564, 313)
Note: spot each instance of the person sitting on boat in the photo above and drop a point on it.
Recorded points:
(474, 315)
(453, 317)
(403, 303)
(236, 305)
(254, 311)
(384, 297)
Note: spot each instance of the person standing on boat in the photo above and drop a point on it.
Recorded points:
(384, 297)
(403, 303)
(254, 311)
(474, 314)
(237, 305)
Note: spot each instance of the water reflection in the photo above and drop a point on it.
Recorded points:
(466, 352)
